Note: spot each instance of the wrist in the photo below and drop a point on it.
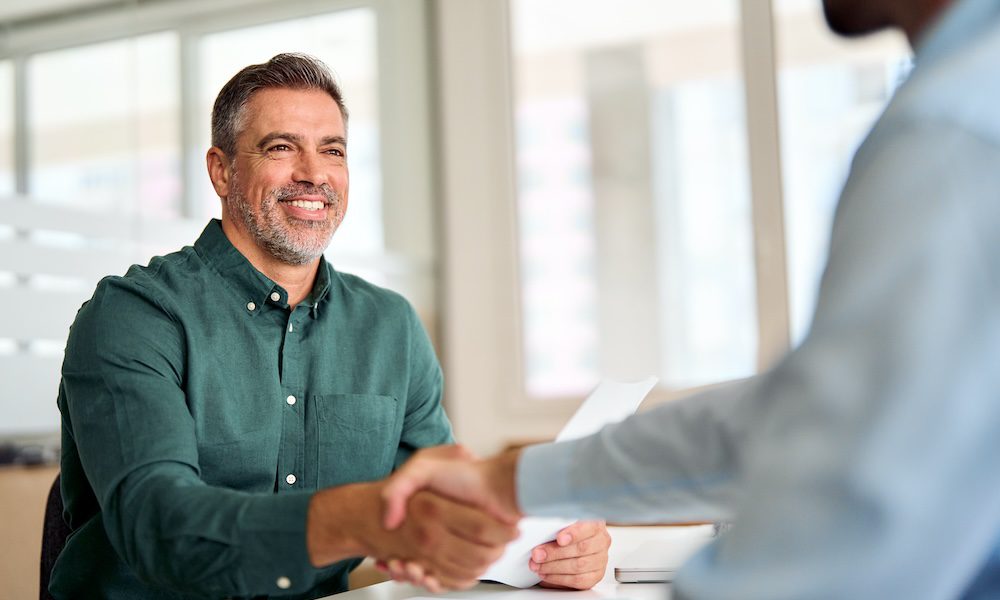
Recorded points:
(339, 522)
(501, 475)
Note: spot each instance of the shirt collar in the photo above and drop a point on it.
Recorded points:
(254, 288)
(962, 21)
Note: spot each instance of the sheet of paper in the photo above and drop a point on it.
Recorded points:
(611, 402)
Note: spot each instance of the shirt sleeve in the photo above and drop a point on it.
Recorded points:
(425, 422)
(124, 401)
(865, 459)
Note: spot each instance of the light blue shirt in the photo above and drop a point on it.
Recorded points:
(866, 464)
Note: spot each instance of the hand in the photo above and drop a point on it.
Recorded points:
(576, 559)
(488, 484)
(451, 542)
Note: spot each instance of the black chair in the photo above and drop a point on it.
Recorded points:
(54, 534)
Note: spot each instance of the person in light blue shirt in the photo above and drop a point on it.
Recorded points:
(863, 465)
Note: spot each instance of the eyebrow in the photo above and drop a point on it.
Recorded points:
(297, 139)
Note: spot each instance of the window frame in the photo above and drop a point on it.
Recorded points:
(481, 294)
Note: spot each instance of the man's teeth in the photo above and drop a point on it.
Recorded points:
(307, 204)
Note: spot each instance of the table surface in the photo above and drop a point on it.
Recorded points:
(624, 541)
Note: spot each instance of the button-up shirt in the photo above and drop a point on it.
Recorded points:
(864, 464)
(200, 413)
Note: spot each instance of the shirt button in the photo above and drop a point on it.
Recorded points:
(283, 583)
(290, 400)
(290, 479)
(291, 328)
(275, 296)
(251, 306)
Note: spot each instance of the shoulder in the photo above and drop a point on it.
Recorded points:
(958, 92)
(361, 294)
(145, 292)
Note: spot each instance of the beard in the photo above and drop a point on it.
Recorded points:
(851, 18)
(287, 239)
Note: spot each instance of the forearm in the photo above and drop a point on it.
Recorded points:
(175, 531)
(678, 462)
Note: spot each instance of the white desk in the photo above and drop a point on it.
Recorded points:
(624, 540)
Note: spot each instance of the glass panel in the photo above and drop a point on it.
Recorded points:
(633, 193)
(116, 146)
(351, 53)
(7, 183)
(830, 92)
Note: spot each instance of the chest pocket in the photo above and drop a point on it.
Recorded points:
(358, 437)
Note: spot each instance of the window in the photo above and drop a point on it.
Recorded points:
(830, 93)
(7, 185)
(351, 54)
(645, 238)
(104, 127)
(113, 126)
(634, 214)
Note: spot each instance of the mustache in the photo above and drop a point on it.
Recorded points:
(287, 192)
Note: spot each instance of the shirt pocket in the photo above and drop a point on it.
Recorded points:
(358, 437)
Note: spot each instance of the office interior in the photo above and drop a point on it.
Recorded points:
(565, 190)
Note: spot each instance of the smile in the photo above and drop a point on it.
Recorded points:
(307, 204)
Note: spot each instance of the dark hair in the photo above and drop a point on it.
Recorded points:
(290, 71)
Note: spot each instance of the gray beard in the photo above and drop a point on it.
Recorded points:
(279, 241)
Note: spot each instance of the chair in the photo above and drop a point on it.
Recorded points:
(54, 534)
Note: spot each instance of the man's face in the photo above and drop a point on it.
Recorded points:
(289, 180)
(857, 17)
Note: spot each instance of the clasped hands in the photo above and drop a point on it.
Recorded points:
(477, 497)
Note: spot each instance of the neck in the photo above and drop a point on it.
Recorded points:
(297, 280)
(914, 18)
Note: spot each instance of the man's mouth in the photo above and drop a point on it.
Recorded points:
(307, 204)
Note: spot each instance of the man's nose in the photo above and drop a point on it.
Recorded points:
(309, 169)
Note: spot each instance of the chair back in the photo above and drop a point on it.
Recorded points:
(54, 534)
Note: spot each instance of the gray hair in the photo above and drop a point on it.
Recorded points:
(289, 71)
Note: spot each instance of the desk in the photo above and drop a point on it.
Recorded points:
(624, 541)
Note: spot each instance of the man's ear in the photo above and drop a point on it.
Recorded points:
(219, 171)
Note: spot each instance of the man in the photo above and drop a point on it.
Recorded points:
(229, 409)
(862, 465)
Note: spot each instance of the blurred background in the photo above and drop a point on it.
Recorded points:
(565, 189)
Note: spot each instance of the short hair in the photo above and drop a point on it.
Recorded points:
(289, 71)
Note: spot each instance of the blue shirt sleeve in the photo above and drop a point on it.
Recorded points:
(861, 466)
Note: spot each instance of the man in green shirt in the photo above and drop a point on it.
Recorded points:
(229, 410)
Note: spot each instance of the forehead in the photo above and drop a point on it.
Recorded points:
(310, 113)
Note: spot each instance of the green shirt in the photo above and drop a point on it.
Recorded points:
(200, 413)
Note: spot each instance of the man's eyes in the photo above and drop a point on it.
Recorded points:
(338, 152)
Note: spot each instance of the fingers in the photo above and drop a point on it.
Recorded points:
(580, 581)
(413, 573)
(571, 566)
(579, 539)
(415, 475)
(465, 522)
(461, 480)
(455, 542)
(577, 558)
(397, 491)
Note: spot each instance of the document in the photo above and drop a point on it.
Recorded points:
(611, 402)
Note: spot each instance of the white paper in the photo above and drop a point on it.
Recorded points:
(611, 402)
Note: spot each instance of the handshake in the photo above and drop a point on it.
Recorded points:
(442, 519)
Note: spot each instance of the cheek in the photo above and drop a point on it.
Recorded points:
(341, 180)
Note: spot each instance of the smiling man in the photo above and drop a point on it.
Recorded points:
(230, 409)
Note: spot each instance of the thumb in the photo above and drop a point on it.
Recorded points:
(396, 493)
